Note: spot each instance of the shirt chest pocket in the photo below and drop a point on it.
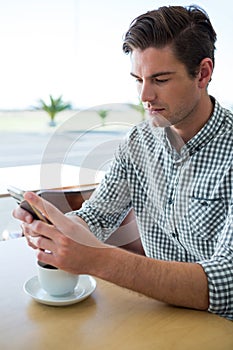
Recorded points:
(207, 217)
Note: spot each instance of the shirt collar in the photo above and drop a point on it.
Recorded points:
(209, 130)
(204, 136)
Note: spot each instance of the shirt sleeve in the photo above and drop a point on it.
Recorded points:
(219, 271)
(110, 203)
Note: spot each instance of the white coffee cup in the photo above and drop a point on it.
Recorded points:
(56, 282)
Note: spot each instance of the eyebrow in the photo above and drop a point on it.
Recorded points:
(154, 75)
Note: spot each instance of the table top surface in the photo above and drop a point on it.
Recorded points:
(111, 318)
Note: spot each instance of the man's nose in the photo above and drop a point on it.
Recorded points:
(147, 93)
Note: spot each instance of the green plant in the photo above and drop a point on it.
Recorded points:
(103, 115)
(139, 108)
(55, 106)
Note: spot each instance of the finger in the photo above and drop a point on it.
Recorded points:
(40, 228)
(33, 235)
(46, 258)
(54, 215)
(26, 232)
(22, 215)
(34, 240)
(29, 230)
(43, 243)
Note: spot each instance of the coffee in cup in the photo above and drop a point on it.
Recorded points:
(56, 282)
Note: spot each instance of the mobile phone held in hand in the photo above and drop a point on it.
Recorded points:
(17, 194)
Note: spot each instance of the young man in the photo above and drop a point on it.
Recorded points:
(174, 170)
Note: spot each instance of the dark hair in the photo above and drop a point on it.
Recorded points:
(187, 29)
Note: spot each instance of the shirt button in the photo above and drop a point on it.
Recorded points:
(170, 201)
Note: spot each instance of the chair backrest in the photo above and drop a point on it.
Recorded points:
(68, 200)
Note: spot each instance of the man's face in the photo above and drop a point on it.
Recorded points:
(165, 87)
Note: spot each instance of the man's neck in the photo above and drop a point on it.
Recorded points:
(191, 126)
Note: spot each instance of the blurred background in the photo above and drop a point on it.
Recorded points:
(73, 48)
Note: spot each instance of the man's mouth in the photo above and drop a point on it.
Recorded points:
(154, 111)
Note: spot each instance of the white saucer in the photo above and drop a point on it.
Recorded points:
(86, 286)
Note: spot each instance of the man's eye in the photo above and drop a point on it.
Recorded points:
(138, 81)
(160, 81)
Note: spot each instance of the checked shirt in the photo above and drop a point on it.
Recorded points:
(183, 201)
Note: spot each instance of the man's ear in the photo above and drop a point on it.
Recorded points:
(205, 72)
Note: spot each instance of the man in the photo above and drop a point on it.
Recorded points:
(174, 170)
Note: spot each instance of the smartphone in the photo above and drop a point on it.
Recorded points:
(17, 194)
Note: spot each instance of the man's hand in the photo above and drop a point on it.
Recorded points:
(68, 244)
(64, 244)
(22, 215)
